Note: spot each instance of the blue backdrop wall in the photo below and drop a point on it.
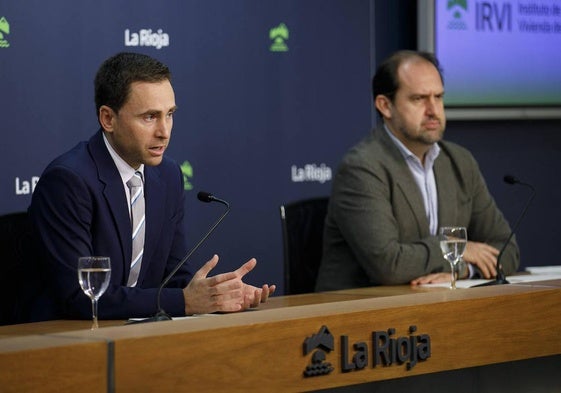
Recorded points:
(271, 93)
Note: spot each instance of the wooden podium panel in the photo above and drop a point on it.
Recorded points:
(264, 349)
(53, 364)
(48, 327)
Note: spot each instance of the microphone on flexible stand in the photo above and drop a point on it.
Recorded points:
(501, 279)
(161, 315)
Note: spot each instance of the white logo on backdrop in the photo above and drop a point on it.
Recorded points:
(311, 173)
(25, 187)
(146, 37)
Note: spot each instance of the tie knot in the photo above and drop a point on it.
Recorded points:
(135, 180)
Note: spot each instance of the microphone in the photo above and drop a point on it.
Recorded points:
(161, 315)
(501, 279)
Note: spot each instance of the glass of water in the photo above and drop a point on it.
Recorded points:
(453, 242)
(94, 274)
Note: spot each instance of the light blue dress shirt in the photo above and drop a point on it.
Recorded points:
(424, 177)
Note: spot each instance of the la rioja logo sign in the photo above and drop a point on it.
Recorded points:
(385, 349)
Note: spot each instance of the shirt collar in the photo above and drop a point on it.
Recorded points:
(125, 170)
(432, 154)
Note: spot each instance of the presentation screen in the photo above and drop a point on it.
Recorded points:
(499, 58)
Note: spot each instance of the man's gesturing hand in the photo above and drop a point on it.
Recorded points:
(224, 292)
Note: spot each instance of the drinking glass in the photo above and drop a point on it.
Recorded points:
(94, 274)
(453, 242)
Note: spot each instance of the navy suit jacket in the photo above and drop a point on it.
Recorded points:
(79, 208)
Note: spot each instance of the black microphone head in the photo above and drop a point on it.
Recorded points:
(208, 197)
(205, 196)
(511, 179)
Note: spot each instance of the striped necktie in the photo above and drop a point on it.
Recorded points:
(137, 221)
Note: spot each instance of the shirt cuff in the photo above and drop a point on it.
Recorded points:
(471, 270)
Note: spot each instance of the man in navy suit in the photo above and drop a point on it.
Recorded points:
(80, 207)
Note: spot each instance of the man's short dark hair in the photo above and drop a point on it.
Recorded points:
(386, 82)
(115, 76)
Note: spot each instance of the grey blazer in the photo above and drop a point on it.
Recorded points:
(376, 230)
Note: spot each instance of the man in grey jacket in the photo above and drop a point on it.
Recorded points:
(394, 190)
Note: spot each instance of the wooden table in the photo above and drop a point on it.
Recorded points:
(263, 349)
(42, 363)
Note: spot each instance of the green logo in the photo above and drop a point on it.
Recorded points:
(187, 171)
(460, 4)
(279, 35)
(458, 8)
(4, 29)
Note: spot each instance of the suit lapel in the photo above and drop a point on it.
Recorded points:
(405, 182)
(114, 193)
(446, 186)
(155, 197)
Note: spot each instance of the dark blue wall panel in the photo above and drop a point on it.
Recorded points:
(248, 116)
